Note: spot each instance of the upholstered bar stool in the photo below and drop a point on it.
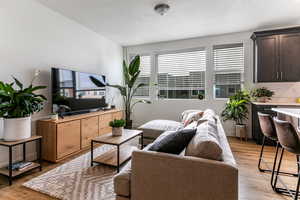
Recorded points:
(269, 131)
(289, 140)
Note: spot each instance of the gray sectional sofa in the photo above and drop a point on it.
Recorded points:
(161, 176)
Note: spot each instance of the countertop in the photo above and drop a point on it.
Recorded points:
(276, 104)
(294, 112)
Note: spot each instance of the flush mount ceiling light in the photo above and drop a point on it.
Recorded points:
(162, 8)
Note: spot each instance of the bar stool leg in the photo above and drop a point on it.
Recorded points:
(261, 155)
(298, 183)
(278, 169)
(274, 165)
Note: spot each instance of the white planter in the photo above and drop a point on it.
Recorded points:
(1, 128)
(241, 131)
(117, 131)
(17, 128)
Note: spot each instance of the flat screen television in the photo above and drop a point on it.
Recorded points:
(73, 92)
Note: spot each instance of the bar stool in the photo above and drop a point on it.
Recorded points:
(289, 140)
(268, 130)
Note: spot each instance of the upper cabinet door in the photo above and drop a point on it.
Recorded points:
(267, 59)
(290, 57)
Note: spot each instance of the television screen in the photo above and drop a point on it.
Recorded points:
(74, 91)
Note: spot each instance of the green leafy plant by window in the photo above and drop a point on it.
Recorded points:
(236, 108)
(261, 92)
(117, 123)
(131, 73)
(20, 102)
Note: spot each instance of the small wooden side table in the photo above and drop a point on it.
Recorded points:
(11, 174)
(115, 157)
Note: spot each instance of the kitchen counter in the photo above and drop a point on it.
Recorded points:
(293, 112)
(276, 104)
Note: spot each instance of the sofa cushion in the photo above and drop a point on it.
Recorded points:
(154, 128)
(193, 116)
(185, 114)
(174, 142)
(205, 144)
(122, 181)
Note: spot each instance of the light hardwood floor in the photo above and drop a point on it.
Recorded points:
(253, 184)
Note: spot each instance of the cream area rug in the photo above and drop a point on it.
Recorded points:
(77, 180)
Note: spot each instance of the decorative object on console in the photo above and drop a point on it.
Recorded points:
(54, 116)
(117, 126)
(236, 109)
(130, 73)
(17, 106)
(261, 94)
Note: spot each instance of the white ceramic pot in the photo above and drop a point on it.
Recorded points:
(1, 128)
(241, 130)
(17, 128)
(117, 131)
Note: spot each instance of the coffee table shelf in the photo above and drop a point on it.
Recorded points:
(110, 157)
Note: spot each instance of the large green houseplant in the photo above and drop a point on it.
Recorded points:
(131, 73)
(236, 109)
(17, 104)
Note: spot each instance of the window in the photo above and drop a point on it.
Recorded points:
(144, 77)
(229, 69)
(181, 75)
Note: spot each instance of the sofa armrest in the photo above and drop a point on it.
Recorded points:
(163, 176)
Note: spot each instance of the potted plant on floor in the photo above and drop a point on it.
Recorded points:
(17, 106)
(236, 109)
(117, 127)
(261, 94)
(131, 73)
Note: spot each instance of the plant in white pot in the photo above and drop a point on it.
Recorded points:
(16, 108)
(117, 126)
(236, 109)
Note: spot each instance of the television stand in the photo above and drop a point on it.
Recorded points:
(72, 134)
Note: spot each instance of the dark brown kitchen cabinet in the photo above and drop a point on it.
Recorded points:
(290, 57)
(277, 55)
(267, 59)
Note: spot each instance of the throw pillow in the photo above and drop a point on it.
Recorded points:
(205, 143)
(185, 114)
(173, 143)
(193, 116)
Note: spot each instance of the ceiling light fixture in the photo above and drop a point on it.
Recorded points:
(162, 8)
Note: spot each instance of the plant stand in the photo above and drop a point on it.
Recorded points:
(11, 174)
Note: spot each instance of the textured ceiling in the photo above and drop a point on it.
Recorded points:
(131, 22)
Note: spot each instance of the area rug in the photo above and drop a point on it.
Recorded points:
(77, 180)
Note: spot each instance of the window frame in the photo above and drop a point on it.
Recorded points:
(242, 84)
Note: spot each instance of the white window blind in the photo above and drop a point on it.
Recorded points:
(229, 69)
(181, 75)
(145, 68)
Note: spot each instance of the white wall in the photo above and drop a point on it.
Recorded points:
(171, 109)
(35, 37)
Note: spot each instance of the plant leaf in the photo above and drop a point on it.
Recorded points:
(134, 65)
(18, 83)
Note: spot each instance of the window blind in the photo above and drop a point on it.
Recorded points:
(145, 68)
(181, 74)
(229, 69)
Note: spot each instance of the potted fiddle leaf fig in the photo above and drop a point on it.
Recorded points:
(236, 109)
(131, 73)
(17, 104)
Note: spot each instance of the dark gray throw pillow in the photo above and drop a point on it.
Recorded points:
(174, 142)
